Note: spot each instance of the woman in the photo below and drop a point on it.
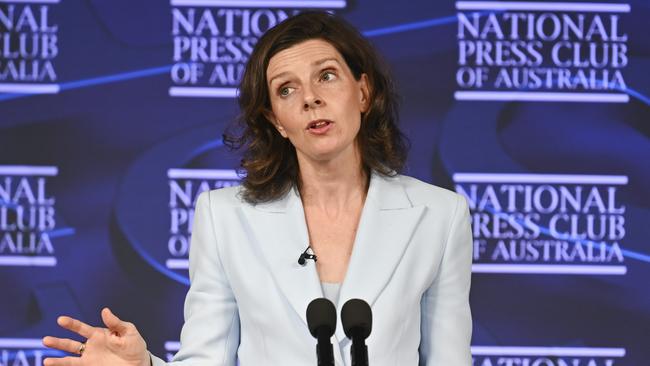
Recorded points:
(321, 154)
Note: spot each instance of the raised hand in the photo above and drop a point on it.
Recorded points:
(119, 344)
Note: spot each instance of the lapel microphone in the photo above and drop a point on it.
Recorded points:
(307, 254)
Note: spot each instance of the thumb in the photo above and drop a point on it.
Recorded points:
(113, 323)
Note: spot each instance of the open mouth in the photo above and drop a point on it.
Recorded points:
(318, 124)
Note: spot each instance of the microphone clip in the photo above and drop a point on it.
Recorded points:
(307, 254)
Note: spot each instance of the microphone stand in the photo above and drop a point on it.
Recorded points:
(324, 349)
(321, 320)
(359, 350)
(356, 317)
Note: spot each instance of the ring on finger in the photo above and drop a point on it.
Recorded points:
(82, 348)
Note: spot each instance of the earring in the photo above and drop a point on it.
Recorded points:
(280, 129)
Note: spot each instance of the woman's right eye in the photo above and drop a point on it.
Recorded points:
(285, 91)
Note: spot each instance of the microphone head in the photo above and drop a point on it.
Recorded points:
(356, 317)
(321, 315)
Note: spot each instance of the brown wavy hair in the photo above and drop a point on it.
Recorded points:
(269, 160)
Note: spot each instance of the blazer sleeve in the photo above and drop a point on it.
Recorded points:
(446, 325)
(210, 334)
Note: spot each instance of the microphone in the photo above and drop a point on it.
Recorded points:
(302, 260)
(321, 320)
(356, 317)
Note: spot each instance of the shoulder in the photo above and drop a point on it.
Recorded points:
(222, 197)
(425, 194)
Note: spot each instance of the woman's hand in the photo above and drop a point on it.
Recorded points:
(120, 344)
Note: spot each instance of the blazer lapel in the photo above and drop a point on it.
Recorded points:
(281, 232)
(387, 223)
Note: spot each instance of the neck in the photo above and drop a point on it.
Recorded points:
(333, 184)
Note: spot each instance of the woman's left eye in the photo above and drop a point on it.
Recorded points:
(328, 76)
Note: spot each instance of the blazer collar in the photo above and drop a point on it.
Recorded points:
(387, 223)
(386, 192)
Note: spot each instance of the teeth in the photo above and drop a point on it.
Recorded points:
(319, 124)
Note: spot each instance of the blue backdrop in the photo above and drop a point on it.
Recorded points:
(111, 116)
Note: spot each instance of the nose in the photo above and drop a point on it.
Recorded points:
(313, 103)
(312, 100)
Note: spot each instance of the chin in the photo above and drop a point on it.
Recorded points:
(327, 150)
(324, 156)
(338, 155)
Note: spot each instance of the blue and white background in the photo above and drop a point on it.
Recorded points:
(111, 116)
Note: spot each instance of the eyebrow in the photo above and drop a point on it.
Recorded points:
(315, 63)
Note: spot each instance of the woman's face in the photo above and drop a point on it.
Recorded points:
(315, 101)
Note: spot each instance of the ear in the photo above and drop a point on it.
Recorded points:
(271, 118)
(364, 95)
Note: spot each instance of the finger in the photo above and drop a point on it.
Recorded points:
(65, 361)
(62, 344)
(75, 325)
(113, 323)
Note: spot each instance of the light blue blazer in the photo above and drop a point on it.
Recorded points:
(411, 261)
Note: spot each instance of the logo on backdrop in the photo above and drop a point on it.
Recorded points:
(27, 216)
(546, 224)
(546, 356)
(213, 40)
(171, 347)
(28, 47)
(185, 185)
(24, 352)
(537, 51)
(154, 209)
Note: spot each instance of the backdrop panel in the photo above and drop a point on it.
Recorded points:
(111, 117)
